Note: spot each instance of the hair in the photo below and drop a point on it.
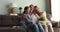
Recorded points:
(25, 9)
(35, 6)
(31, 5)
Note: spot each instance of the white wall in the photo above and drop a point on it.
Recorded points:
(55, 4)
(20, 3)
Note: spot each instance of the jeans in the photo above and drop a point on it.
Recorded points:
(41, 29)
(30, 26)
(23, 24)
(38, 28)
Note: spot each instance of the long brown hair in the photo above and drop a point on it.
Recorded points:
(25, 9)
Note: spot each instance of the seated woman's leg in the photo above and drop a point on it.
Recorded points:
(23, 24)
(32, 27)
(36, 29)
(50, 26)
(45, 28)
(41, 29)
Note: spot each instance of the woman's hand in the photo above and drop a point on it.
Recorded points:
(25, 17)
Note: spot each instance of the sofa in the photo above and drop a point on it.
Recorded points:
(7, 22)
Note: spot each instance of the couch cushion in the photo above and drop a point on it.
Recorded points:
(0, 19)
(7, 20)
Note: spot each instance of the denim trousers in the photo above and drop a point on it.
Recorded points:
(23, 24)
(38, 28)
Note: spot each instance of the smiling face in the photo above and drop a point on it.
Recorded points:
(35, 8)
(31, 8)
(26, 10)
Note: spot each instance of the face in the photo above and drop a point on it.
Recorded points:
(36, 8)
(31, 9)
(28, 10)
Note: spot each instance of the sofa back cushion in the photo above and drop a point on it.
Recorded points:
(7, 20)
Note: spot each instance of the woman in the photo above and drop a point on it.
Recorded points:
(24, 17)
(42, 17)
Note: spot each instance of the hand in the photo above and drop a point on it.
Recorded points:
(25, 17)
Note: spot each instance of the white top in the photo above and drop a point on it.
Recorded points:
(33, 17)
(13, 14)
